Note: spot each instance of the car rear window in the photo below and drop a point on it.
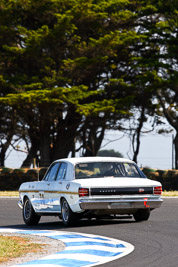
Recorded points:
(106, 169)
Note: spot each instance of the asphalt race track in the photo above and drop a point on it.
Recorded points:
(155, 241)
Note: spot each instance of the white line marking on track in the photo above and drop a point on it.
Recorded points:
(81, 249)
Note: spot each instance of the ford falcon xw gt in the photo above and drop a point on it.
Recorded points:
(90, 187)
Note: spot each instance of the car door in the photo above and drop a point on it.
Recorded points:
(58, 186)
(46, 187)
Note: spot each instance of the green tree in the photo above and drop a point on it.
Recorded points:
(61, 55)
(155, 70)
(167, 93)
(72, 69)
(159, 22)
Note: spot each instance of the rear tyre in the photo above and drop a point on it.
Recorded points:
(29, 215)
(142, 215)
(68, 216)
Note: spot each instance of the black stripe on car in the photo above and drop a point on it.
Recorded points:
(122, 191)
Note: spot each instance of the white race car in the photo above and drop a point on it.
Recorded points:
(92, 187)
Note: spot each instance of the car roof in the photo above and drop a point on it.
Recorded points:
(94, 159)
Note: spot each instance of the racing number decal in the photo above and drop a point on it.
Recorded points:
(41, 194)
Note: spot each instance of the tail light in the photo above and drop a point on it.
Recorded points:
(83, 192)
(157, 190)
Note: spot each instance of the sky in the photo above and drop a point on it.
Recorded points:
(155, 150)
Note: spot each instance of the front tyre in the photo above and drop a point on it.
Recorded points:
(68, 216)
(29, 215)
(142, 215)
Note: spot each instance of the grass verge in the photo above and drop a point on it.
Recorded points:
(9, 193)
(170, 194)
(14, 246)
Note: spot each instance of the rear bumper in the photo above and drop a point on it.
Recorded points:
(114, 204)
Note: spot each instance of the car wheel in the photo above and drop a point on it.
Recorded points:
(142, 215)
(29, 215)
(68, 216)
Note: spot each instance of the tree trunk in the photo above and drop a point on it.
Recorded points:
(138, 134)
(2, 155)
(172, 119)
(4, 148)
(45, 149)
(32, 153)
(176, 151)
(33, 135)
(66, 134)
(65, 141)
(94, 140)
(64, 146)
